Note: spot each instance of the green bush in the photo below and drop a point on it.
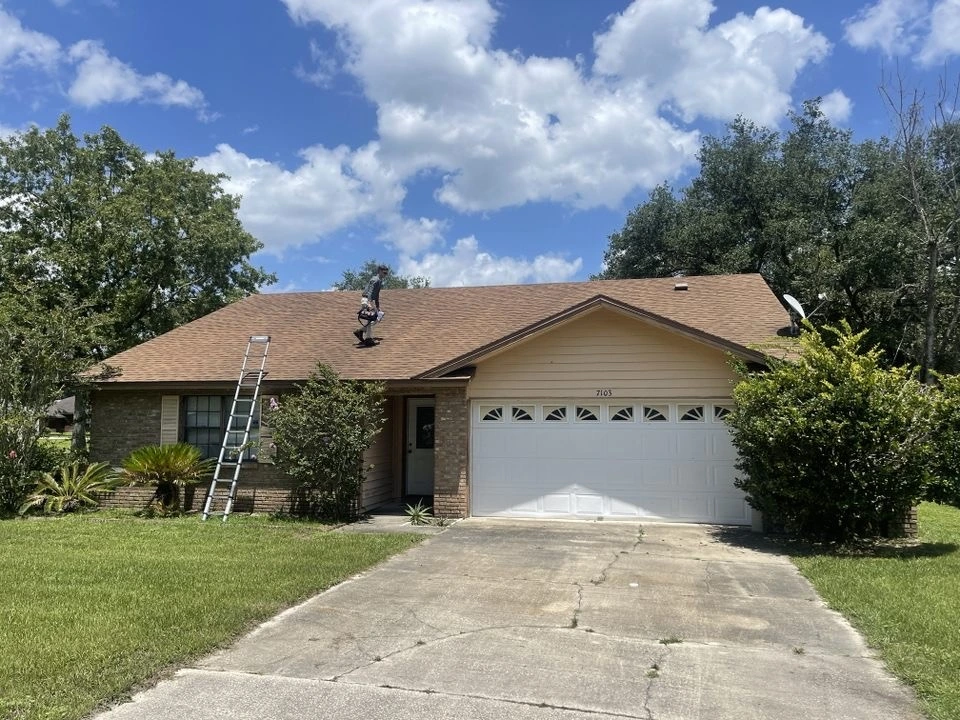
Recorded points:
(321, 434)
(168, 468)
(23, 459)
(832, 445)
(945, 486)
(70, 488)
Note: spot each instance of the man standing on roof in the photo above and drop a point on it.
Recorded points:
(370, 311)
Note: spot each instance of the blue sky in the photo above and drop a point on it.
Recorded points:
(469, 141)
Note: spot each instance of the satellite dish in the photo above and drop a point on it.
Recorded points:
(795, 304)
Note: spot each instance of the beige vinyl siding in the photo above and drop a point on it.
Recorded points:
(378, 486)
(608, 352)
(169, 419)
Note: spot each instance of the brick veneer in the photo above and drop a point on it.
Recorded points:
(451, 453)
(124, 420)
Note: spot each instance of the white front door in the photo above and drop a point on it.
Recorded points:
(420, 427)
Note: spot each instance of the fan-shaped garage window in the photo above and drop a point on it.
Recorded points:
(491, 414)
(691, 414)
(720, 413)
(555, 413)
(653, 413)
(522, 414)
(588, 413)
(621, 414)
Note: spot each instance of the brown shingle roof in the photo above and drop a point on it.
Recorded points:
(426, 329)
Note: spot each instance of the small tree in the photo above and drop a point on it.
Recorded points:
(37, 365)
(321, 434)
(358, 279)
(832, 446)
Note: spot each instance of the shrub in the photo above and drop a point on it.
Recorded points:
(945, 485)
(832, 445)
(70, 489)
(168, 468)
(321, 434)
(23, 459)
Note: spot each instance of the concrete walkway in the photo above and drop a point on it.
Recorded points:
(503, 619)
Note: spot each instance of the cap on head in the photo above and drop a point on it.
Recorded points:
(383, 269)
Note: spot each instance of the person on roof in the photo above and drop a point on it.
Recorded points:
(370, 313)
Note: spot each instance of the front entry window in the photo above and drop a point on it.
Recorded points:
(425, 425)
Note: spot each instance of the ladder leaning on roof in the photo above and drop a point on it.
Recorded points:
(237, 434)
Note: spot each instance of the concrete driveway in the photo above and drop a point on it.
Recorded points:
(549, 620)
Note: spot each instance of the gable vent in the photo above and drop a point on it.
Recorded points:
(680, 286)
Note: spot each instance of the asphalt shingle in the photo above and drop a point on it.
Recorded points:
(429, 327)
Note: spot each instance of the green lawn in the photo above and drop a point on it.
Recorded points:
(906, 601)
(92, 605)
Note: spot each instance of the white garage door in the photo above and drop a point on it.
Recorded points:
(625, 459)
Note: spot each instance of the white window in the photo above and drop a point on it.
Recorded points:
(621, 414)
(554, 413)
(522, 414)
(588, 413)
(655, 413)
(691, 413)
(491, 413)
(720, 413)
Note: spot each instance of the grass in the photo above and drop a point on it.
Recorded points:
(60, 440)
(92, 606)
(905, 599)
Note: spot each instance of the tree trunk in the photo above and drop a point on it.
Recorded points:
(930, 327)
(81, 413)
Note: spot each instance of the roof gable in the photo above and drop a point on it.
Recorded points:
(576, 311)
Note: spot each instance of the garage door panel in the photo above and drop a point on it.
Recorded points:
(732, 511)
(694, 506)
(588, 504)
(696, 476)
(558, 504)
(692, 442)
(656, 475)
(657, 443)
(490, 443)
(669, 470)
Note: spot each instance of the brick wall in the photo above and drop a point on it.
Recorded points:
(124, 420)
(451, 453)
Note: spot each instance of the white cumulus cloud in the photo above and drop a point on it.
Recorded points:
(504, 129)
(102, 78)
(21, 46)
(330, 190)
(467, 265)
(893, 26)
(928, 33)
(836, 106)
(745, 66)
(943, 41)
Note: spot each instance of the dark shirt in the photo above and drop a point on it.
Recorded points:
(372, 292)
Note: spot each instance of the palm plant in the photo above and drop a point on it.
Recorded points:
(168, 468)
(70, 489)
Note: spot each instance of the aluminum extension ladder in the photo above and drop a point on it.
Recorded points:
(237, 434)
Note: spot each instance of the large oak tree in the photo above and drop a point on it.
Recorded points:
(133, 244)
